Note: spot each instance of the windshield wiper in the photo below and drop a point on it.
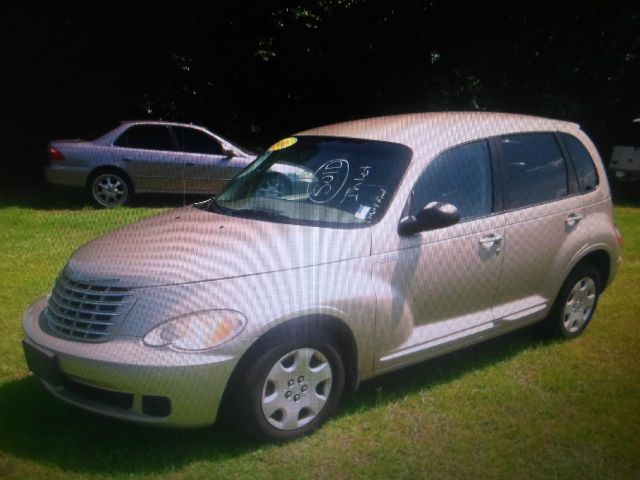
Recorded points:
(261, 214)
(214, 206)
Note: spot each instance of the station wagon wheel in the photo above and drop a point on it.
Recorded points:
(274, 185)
(579, 305)
(110, 189)
(576, 302)
(296, 389)
(292, 388)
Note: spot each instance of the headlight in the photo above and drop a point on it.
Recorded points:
(197, 331)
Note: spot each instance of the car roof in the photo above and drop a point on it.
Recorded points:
(415, 129)
(160, 122)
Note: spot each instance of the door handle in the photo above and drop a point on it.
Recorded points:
(126, 159)
(489, 241)
(573, 219)
(190, 164)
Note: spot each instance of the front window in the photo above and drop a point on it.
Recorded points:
(460, 176)
(323, 181)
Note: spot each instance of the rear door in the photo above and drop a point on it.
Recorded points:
(148, 154)
(544, 224)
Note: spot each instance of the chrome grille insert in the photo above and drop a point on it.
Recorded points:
(84, 311)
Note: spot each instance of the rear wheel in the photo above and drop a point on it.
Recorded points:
(110, 189)
(292, 388)
(576, 302)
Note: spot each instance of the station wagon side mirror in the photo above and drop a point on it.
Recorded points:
(228, 153)
(434, 215)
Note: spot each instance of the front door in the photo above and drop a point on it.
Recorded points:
(442, 283)
(207, 167)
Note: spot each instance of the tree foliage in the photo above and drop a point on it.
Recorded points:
(255, 71)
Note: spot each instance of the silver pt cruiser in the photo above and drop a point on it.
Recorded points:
(398, 239)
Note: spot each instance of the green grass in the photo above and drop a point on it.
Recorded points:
(517, 407)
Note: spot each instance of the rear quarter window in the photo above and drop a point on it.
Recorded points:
(582, 162)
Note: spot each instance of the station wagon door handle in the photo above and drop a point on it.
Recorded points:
(190, 164)
(573, 219)
(491, 240)
(126, 159)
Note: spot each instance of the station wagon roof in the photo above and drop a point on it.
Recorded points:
(416, 128)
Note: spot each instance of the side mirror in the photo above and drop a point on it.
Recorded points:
(434, 215)
(228, 153)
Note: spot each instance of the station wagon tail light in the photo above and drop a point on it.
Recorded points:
(54, 154)
(197, 331)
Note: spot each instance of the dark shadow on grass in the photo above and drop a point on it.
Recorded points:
(444, 369)
(35, 426)
(47, 197)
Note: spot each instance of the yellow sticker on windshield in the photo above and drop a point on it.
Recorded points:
(282, 144)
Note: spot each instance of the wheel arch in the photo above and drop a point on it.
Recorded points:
(338, 330)
(601, 260)
(109, 168)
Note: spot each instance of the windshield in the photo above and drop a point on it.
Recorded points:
(322, 181)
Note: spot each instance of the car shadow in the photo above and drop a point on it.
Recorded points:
(36, 427)
(48, 197)
(444, 369)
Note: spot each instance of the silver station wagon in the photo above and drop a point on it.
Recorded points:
(401, 238)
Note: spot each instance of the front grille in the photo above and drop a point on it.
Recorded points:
(86, 312)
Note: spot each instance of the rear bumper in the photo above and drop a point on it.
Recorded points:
(127, 380)
(68, 176)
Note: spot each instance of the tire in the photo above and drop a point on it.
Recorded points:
(109, 189)
(576, 302)
(291, 388)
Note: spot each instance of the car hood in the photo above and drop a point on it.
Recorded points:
(191, 245)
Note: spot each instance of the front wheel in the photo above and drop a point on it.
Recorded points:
(292, 388)
(576, 302)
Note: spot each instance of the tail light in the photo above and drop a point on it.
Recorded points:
(54, 154)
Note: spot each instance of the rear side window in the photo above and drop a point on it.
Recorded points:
(460, 176)
(148, 137)
(194, 141)
(534, 169)
(582, 162)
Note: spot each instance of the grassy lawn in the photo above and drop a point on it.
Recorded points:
(519, 406)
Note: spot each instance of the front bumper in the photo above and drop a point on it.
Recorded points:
(125, 368)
